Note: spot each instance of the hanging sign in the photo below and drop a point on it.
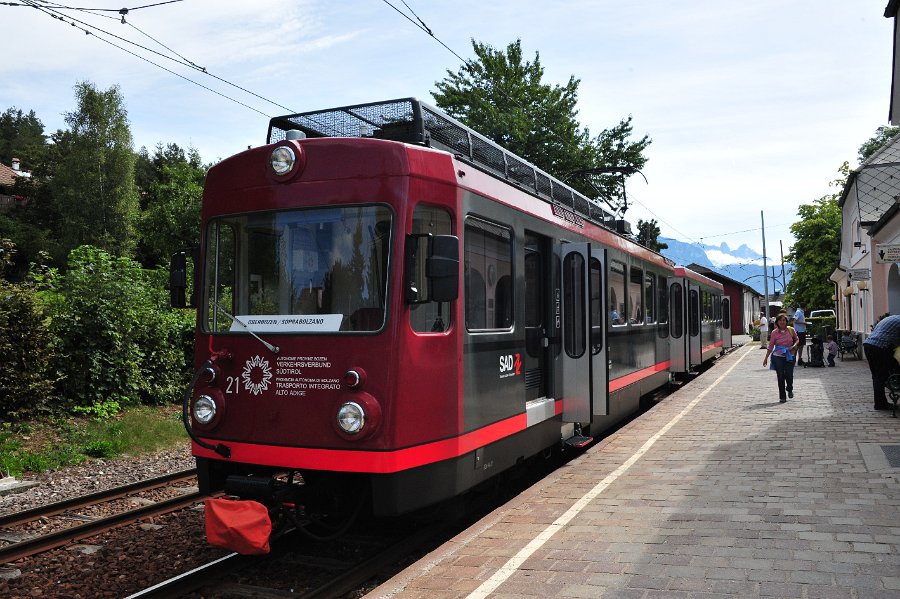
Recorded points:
(887, 253)
(859, 274)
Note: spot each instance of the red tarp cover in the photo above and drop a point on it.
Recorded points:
(241, 526)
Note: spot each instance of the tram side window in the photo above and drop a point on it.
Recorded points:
(430, 317)
(574, 312)
(693, 313)
(726, 313)
(703, 315)
(677, 305)
(616, 277)
(489, 276)
(649, 297)
(534, 305)
(596, 306)
(635, 296)
(662, 309)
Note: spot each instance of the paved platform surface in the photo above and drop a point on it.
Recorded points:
(719, 491)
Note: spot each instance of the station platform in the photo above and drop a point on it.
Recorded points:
(718, 491)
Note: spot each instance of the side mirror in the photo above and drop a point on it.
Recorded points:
(178, 277)
(432, 268)
(442, 268)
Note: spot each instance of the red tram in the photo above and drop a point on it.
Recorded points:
(393, 307)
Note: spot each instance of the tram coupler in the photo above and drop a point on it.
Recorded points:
(265, 489)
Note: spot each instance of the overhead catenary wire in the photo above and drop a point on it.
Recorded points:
(145, 59)
(116, 10)
(421, 25)
(737, 266)
(90, 29)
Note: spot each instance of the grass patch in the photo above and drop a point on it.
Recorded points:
(51, 445)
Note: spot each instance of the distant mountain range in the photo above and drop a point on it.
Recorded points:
(743, 264)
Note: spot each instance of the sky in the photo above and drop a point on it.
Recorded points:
(752, 107)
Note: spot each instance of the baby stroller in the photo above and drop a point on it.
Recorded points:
(816, 353)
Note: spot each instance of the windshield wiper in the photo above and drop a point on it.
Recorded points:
(272, 348)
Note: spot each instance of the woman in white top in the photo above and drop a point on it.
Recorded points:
(763, 331)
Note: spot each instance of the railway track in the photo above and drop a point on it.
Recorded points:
(373, 552)
(32, 545)
(222, 577)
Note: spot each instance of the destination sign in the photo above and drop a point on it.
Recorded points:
(566, 214)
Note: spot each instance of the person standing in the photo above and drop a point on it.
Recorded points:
(879, 350)
(800, 328)
(782, 343)
(763, 330)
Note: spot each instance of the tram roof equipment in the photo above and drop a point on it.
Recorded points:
(410, 121)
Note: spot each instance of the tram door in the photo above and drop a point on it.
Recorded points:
(599, 363)
(540, 327)
(678, 338)
(583, 331)
(726, 321)
(695, 341)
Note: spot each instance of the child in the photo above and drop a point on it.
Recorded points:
(832, 348)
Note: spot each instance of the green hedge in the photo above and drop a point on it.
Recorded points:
(115, 341)
(91, 340)
(26, 383)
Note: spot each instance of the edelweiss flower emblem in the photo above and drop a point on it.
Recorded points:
(256, 375)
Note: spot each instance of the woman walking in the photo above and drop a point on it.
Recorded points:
(763, 330)
(783, 341)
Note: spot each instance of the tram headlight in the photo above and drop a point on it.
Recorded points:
(282, 160)
(351, 417)
(204, 409)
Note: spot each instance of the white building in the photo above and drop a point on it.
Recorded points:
(863, 280)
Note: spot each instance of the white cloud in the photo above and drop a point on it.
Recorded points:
(752, 106)
(720, 259)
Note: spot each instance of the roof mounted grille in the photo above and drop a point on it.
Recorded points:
(410, 121)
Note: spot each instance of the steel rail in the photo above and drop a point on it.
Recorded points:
(59, 538)
(369, 568)
(347, 581)
(53, 509)
(192, 580)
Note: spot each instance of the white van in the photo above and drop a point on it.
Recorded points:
(822, 314)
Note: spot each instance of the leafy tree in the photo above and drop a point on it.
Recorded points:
(648, 235)
(816, 248)
(36, 225)
(501, 96)
(882, 135)
(93, 183)
(171, 184)
(31, 242)
(21, 136)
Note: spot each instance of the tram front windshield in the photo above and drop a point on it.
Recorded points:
(321, 270)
